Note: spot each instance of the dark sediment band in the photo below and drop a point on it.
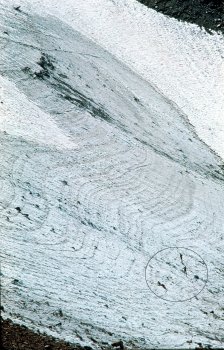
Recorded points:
(206, 13)
(16, 337)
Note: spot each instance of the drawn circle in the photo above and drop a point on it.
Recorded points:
(176, 274)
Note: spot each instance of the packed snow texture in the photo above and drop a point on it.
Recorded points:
(111, 151)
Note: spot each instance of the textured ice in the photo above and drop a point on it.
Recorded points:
(107, 158)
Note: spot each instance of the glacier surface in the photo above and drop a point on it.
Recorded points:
(111, 174)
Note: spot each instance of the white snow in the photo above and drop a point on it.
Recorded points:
(101, 168)
(17, 120)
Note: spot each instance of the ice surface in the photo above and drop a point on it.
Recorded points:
(107, 158)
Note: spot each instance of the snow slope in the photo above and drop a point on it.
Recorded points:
(108, 158)
(184, 62)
